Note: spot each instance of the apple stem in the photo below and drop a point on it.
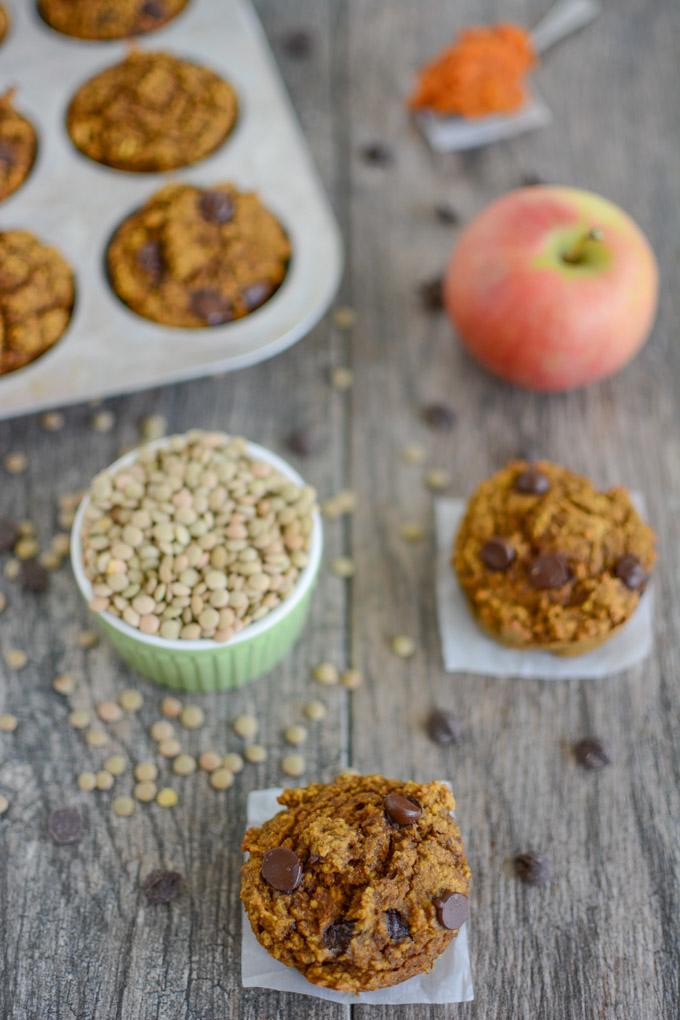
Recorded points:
(575, 254)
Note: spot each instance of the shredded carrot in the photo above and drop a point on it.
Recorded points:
(481, 73)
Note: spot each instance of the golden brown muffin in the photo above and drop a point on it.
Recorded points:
(198, 257)
(36, 298)
(108, 19)
(151, 112)
(548, 562)
(360, 883)
(18, 144)
(4, 23)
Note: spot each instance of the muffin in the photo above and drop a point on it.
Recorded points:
(108, 19)
(359, 884)
(37, 293)
(196, 257)
(18, 144)
(151, 112)
(548, 562)
(4, 23)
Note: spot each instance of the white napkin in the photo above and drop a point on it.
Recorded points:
(467, 649)
(450, 980)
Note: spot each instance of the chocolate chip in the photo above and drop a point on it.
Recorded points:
(216, 206)
(531, 180)
(65, 825)
(210, 306)
(397, 928)
(150, 259)
(533, 868)
(9, 534)
(591, 753)
(162, 886)
(338, 936)
(549, 570)
(629, 570)
(33, 576)
(376, 153)
(432, 294)
(532, 482)
(446, 214)
(256, 294)
(443, 727)
(452, 910)
(153, 9)
(281, 869)
(8, 154)
(439, 416)
(297, 44)
(402, 810)
(497, 554)
(303, 442)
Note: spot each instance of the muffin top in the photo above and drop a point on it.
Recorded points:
(17, 146)
(545, 559)
(360, 883)
(151, 112)
(108, 19)
(36, 298)
(198, 257)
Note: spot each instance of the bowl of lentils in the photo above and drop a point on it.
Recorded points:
(198, 555)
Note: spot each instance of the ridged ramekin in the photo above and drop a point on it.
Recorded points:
(206, 666)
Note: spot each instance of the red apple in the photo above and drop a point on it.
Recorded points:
(552, 288)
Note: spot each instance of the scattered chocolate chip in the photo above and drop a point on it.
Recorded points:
(153, 9)
(281, 869)
(65, 825)
(531, 180)
(304, 442)
(402, 810)
(549, 570)
(7, 153)
(376, 153)
(150, 259)
(447, 214)
(497, 554)
(532, 482)
(629, 570)
(216, 206)
(443, 727)
(439, 416)
(591, 753)
(397, 928)
(33, 576)
(256, 294)
(432, 294)
(452, 910)
(297, 44)
(338, 936)
(162, 886)
(210, 306)
(9, 534)
(533, 868)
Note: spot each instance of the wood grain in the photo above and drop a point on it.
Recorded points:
(601, 941)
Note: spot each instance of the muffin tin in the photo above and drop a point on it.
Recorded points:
(75, 204)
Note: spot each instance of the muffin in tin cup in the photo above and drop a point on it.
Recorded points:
(205, 664)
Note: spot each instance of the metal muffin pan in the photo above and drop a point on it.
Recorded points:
(75, 204)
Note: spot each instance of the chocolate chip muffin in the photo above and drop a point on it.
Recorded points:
(18, 144)
(108, 19)
(151, 112)
(548, 562)
(4, 23)
(36, 298)
(359, 884)
(198, 257)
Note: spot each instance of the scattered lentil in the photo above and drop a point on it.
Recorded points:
(438, 479)
(171, 707)
(167, 797)
(64, 684)
(348, 770)
(87, 781)
(315, 710)
(208, 761)
(16, 658)
(12, 569)
(109, 711)
(169, 748)
(344, 317)
(145, 791)
(341, 378)
(96, 738)
(146, 771)
(103, 421)
(352, 679)
(343, 566)
(53, 421)
(403, 646)
(16, 463)
(192, 717)
(88, 638)
(3, 601)
(184, 765)
(26, 548)
(123, 806)
(130, 700)
(293, 764)
(116, 764)
(161, 730)
(104, 780)
(233, 762)
(153, 427)
(411, 531)
(8, 722)
(413, 453)
(221, 779)
(246, 726)
(326, 673)
(255, 753)
(4, 804)
(295, 734)
(79, 719)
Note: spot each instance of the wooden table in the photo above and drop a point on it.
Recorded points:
(602, 940)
